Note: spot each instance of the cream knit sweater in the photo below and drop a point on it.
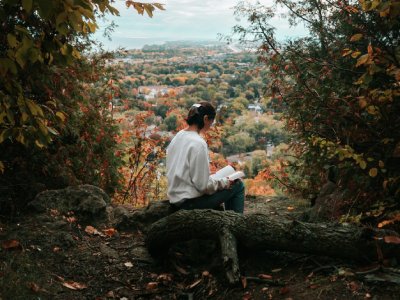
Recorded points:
(188, 170)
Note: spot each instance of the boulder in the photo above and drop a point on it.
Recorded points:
(85, 200)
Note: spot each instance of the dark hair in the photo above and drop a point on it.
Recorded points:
(198, 111)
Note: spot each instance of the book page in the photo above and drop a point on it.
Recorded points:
(224, 172)
(236, 175)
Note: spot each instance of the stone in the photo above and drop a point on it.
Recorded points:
(87, 200)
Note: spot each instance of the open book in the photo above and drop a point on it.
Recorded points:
(229, 172)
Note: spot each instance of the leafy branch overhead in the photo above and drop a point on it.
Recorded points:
(145, 7)
(41, 40)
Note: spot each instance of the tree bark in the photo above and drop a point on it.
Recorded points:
(264, 232)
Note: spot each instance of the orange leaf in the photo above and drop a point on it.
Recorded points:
(356, 37)
(194, 284)
(243, 279)
(110, 231)
(10, 244)
(151, 285)
(392, 239)
(34, 287)
(264, 276)
(74, 285)
(91, 230)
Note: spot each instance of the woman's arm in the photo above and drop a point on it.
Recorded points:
(200, 174)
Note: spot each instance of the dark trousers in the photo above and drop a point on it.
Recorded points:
(232, 197)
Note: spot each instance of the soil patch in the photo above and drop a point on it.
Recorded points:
(55, 256)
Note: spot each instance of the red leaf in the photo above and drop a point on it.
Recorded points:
(10, 244)
(392, 239)
(264, 276)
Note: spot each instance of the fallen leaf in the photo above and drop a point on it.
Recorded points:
(151, 285)
(71, 219)
(92, 231)
(368, 295)
(34, 287)
(247, 296)
(354, 286)
(391, 239)
(74, 285)
(243, 279)
(313, 286)
(181, 270)
(283, 291)
(194, 284)
(56, 249)
(205, 274)
(10, 244)
(290, 208)
(110, 231)
(276, 270)
(164, 278)
(110, 294)
(264, 276)
(128, 264)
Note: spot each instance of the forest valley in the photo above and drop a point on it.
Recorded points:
(314, 123)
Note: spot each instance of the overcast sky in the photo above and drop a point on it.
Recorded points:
(182, 20)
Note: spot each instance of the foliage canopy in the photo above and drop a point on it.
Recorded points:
(339, 91)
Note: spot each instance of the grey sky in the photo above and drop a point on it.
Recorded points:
(182, 20)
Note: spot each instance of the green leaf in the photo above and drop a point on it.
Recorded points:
(27, 5)
(12, 40)
(34, 108)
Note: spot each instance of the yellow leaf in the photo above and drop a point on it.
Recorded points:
(355, 54)
(373, 172)
(363, 164)
(385, 12)
(381, 164)
(61, 116)
(347, 52)
(39, 144)
(372, 110)
(362, 60)
(356, 37)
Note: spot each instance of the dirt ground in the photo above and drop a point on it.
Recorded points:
(56, 256)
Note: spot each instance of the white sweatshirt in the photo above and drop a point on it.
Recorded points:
(188, 170)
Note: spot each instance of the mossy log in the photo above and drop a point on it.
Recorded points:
(262, 231)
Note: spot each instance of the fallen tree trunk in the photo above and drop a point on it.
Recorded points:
(262, 231)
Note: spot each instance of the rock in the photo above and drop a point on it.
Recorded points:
(87, 200)
(109, 252)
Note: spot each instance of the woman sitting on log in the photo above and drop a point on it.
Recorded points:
(190, 185)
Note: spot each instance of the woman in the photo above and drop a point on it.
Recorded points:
(189, 183)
